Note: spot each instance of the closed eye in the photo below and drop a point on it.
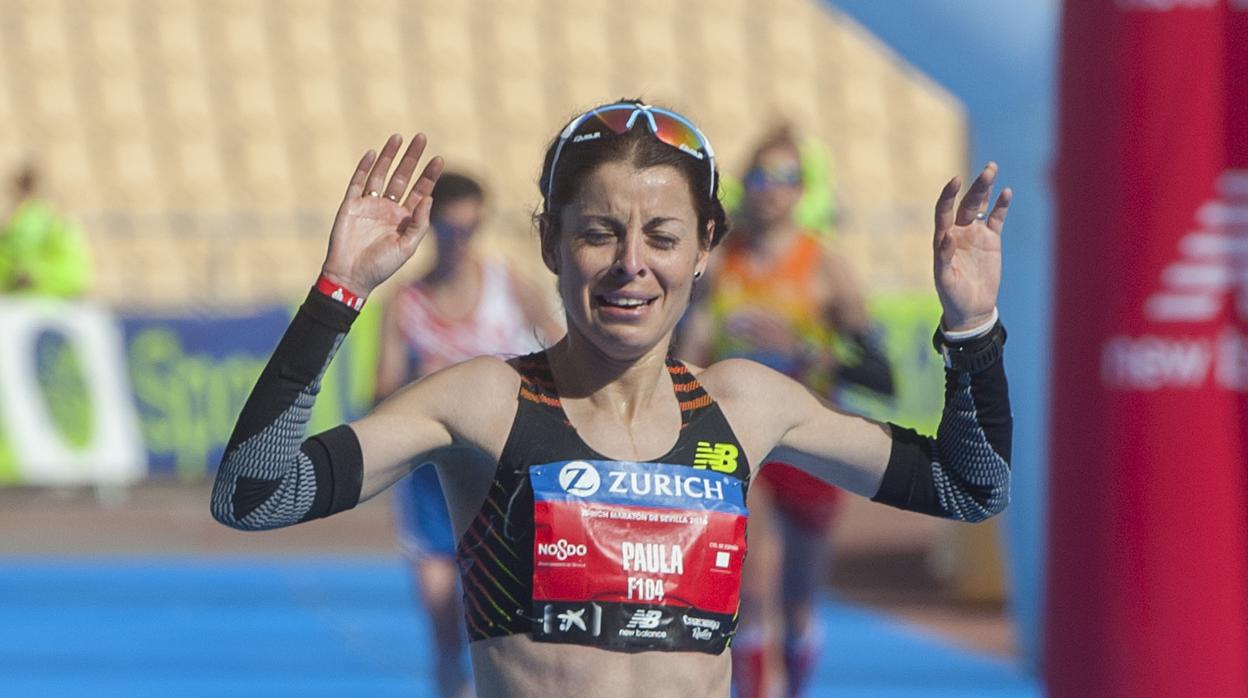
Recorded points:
(663, 241)
(659, 232)
(597, 236)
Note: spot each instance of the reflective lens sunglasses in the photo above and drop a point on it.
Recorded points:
(759, 178)
(619, 118)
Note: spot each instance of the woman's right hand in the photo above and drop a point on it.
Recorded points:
(377, 228)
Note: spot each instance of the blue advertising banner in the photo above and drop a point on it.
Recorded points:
(90, 396)
(191, 376)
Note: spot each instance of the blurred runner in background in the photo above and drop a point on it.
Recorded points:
(778, 296)
(464, 306)
(41, 252)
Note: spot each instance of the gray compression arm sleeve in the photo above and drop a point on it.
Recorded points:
(270, 476)
(964, 473)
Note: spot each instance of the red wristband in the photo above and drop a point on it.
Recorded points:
(339, 293)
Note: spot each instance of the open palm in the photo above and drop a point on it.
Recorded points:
(380, 222)
(967, 245)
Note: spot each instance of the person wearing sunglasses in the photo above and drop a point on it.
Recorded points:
(601, 532)
(465, 305)
(779, 296)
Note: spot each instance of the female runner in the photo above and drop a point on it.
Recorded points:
(601, 532)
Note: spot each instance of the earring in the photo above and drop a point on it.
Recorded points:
(697, 275)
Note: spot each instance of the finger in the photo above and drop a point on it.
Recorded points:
(403, 173)
(377, 178)
(356, 186)
(996, 219)
(417, 224)
(944, 208)
(977, 196)
(424, 185)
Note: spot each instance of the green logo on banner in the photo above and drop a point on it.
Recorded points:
(64, 387)
(189, 401)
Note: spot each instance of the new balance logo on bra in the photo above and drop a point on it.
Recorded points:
(721, 457)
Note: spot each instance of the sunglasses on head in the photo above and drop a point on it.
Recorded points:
(619, 118)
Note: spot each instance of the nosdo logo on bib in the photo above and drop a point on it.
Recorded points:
(579, 478)
(562, 550)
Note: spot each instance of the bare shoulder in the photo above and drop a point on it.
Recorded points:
(732, 379)
(751, 389)
(487, 368)
(760, 403)
(773, 414)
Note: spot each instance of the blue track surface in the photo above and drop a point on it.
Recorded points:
(338, 626)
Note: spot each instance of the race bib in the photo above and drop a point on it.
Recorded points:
(636, 556)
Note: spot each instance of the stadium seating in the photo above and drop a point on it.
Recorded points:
(204, 145)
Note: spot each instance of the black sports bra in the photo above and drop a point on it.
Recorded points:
(497, 553)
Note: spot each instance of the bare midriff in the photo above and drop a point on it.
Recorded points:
(518, 666)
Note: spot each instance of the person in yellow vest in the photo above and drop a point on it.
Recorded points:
(41, 251)
(778, 296)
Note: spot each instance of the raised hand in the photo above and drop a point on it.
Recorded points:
(967, 248)
(377, 228)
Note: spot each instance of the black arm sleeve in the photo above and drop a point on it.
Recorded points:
(964, 473)
(871, 368)
(270, 476)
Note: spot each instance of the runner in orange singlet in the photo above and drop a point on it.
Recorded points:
(780, 298)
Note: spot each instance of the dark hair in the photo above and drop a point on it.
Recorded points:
(26, 181)
(452, 187)
(641, 149)
(780, 137)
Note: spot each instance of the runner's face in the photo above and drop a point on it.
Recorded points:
(626, 256)
(455, 225)
(773, 203)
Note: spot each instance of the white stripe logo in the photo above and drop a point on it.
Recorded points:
(1213, 262)
(1212, 266)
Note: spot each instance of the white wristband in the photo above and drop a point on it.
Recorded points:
(974, 332)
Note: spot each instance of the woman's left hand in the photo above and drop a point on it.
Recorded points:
(967, 247)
